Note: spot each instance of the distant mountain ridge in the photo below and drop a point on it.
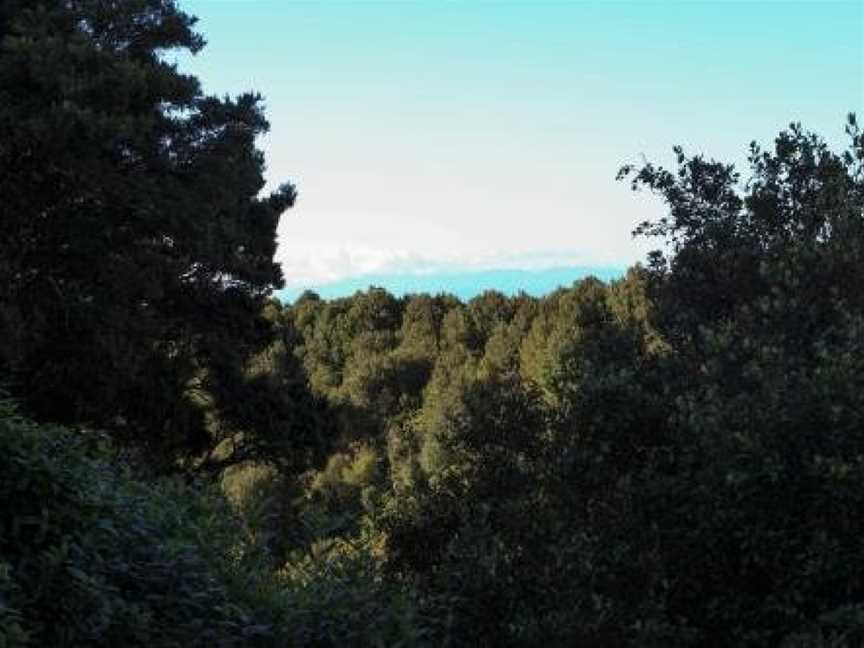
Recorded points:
(463, 284)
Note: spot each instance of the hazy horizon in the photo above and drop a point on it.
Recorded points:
(464, 284)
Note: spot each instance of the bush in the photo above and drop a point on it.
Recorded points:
(91, 556)
(335, 595)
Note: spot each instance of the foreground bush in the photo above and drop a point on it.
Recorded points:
(90, 556)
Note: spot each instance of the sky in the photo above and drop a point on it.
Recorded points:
(428, 138)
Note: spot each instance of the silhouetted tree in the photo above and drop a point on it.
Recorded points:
(137, 253)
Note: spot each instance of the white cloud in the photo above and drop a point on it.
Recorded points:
(307, 264)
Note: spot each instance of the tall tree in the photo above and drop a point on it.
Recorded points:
(792, 240)
(748, 515)
(137, 252)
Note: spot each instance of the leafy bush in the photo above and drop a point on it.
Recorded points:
(90, 556)
(336, 595)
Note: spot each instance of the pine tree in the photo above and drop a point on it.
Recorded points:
(137, 252)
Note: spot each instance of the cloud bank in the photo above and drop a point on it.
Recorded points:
(313, 265)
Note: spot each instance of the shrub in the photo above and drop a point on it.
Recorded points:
(91, 556)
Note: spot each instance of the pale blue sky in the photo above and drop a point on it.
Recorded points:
(452, 135)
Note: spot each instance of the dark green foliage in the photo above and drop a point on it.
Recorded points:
(336, 596)
(753, 514)
(90, 556)
(464, 528)
(328, 589)
(272, 395)
(93, 557)
(136, 252)
(791, 246)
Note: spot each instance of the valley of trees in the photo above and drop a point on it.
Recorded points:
(675, 458)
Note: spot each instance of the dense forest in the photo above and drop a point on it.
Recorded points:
(675, 458)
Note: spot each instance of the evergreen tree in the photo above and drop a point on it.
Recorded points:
(137, 253)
